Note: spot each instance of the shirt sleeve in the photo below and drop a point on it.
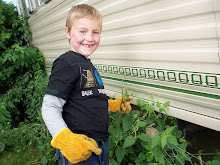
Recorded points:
(62, 79)
(52, 109)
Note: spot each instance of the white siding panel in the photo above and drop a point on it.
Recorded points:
(179, 51)
(109, 7)
(216, 5)
(54, 27)
(155, 12)
(58, 35)
(56, 45)
(182, 29)
(199, 67)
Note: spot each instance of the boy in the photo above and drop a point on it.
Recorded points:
(75, 106)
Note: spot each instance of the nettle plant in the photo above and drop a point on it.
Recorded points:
(146, 137)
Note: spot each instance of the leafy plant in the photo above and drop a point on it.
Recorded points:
(23, 78)
(130, 142)
(14, 28)
(23, 82)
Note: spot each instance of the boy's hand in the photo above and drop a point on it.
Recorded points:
(75, 147)
(120, 105)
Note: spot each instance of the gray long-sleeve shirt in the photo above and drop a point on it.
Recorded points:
(52, 109)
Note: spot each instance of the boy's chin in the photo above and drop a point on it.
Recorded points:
(86, 54)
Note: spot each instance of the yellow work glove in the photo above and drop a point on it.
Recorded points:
(75, 147)
(120, 105)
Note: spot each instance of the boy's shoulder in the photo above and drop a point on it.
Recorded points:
(71, 58)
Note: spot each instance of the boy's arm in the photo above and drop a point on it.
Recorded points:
(52, 109)
(120, 105)
(75, 147)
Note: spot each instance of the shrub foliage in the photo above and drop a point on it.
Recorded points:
(23, 81)
(22, 75)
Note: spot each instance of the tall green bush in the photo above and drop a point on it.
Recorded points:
(23, 82)
(13, 29)
(22, 76)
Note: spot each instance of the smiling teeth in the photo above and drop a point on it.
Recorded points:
(88, 46)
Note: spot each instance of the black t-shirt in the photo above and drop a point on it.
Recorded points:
(76, 80)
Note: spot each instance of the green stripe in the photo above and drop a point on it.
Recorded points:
(159, 69)
(166, 88)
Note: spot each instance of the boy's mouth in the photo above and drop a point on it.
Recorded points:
(87, 45)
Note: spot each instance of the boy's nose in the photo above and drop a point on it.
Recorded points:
(89, 37)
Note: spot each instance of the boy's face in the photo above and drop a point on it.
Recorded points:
(84, 36)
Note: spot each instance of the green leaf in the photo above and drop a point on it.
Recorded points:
(144, 137)
(150, 156)
(141, 124)
(129, 141)
(165, 105)
(172, 140)
(158, 105)
(161, 159)
(163, 142)
(2, 147)
(141, 158)
(44, 160)
(183, 146)
(135, 113)
(169, 130)
(140, 103)
(161, 110)
(127, 123)
(119, 152)
(124, 96)
(180, 159)
(13, 58)
(113, 162)
(155, 141)
(117, 133)
(213, 162)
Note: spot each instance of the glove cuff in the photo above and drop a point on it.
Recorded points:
(60, 135)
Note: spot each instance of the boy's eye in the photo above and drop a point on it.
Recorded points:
(82, 32)
(95, 32)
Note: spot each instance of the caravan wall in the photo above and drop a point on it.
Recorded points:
(168, 48)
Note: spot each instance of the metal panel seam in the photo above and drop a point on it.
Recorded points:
(216, 29)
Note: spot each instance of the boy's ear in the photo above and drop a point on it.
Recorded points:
(67, 33)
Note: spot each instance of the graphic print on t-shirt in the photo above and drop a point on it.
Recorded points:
(87, 78)
(98, 77)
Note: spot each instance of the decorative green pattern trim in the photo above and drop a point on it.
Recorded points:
(210, 80)
(177, 108)
(165, 87)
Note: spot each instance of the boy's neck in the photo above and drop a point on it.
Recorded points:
(86, 57)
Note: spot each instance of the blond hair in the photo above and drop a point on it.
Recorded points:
(79, 12)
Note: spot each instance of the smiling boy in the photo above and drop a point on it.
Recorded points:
(75, 106)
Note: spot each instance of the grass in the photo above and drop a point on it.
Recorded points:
(27, 157)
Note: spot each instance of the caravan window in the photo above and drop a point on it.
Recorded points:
(34, 4)
(28, 7)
